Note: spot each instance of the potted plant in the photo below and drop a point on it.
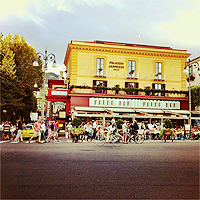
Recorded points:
(131, 72)
(167, 131)
(119, 123)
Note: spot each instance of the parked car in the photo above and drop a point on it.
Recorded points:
(27, 131)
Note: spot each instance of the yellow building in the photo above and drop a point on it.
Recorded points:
(131, 68)
(127, 65)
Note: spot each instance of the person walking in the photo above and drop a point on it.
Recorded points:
(43, 129)
(52, 132)
(133, 127)
(12, 131)
(94, 127)
(125, 130)
(68, 130)
(37, 131)
(1, 129)
(6, 130)
(19, 131)
(55, 131)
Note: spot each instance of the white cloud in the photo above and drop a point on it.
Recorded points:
(185, 29)
(19, 8)
(12, 6)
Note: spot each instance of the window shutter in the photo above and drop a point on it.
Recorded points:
(163, 87)
(94, 83)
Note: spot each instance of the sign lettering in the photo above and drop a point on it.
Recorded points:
(133, 103)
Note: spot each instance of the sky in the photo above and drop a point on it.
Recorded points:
(52, 24)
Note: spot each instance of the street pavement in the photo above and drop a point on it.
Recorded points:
(66, 170)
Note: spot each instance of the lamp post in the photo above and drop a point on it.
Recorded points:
(46, 57)
(190, 77)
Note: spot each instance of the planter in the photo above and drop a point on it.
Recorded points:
(167, 133)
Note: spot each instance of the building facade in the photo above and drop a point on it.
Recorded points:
(100, 75)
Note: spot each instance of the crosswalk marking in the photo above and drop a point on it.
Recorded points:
(4, 141)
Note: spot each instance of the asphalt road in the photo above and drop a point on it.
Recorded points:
(153, 170)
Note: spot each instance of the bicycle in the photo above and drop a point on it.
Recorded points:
(102, 138)
(137, 137)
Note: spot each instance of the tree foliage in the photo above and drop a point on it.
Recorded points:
(168, 123)
(76, 122)
(195, 95)
(18, 76)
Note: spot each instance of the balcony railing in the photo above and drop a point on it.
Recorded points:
(132, 75)
(100, 73)
(159, 77)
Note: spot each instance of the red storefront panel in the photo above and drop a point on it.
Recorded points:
(80, 101)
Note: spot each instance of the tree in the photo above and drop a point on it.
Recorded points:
(76, 122)
(195, 95)
(119, 123)
(7, 61)
(18, 77)
(168, 123)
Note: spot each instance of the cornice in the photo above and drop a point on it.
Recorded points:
(130, 51)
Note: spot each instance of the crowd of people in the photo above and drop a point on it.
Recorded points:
(87, 132)
(92, 128)
(13, 132)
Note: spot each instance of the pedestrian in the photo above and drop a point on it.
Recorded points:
(1, 129)
(12, 131)
(51, 134)
(90, 129)
(125, 130)
(68, 129)
(6, 130)
(37, 131)
(43, 129)
(94, 127)
(19, 131)
(56, 131)
(133, 127)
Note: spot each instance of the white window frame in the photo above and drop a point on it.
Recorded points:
(100, 66)
(158, 70)
(131, 68)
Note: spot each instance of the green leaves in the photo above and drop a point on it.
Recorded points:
(117, 88)
(195, 95)
(18, 76)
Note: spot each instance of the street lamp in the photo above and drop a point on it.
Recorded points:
(190, 77)
(46, 57)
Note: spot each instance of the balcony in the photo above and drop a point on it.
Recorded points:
(100, 73)
(158, 77)
(132, 75)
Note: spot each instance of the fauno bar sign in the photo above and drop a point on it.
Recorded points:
(133, 103)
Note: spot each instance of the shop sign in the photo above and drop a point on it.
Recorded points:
(48, 112)
(116, 65)
(134, 103)
(59, 93)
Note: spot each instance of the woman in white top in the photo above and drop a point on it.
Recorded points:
(12, 130)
